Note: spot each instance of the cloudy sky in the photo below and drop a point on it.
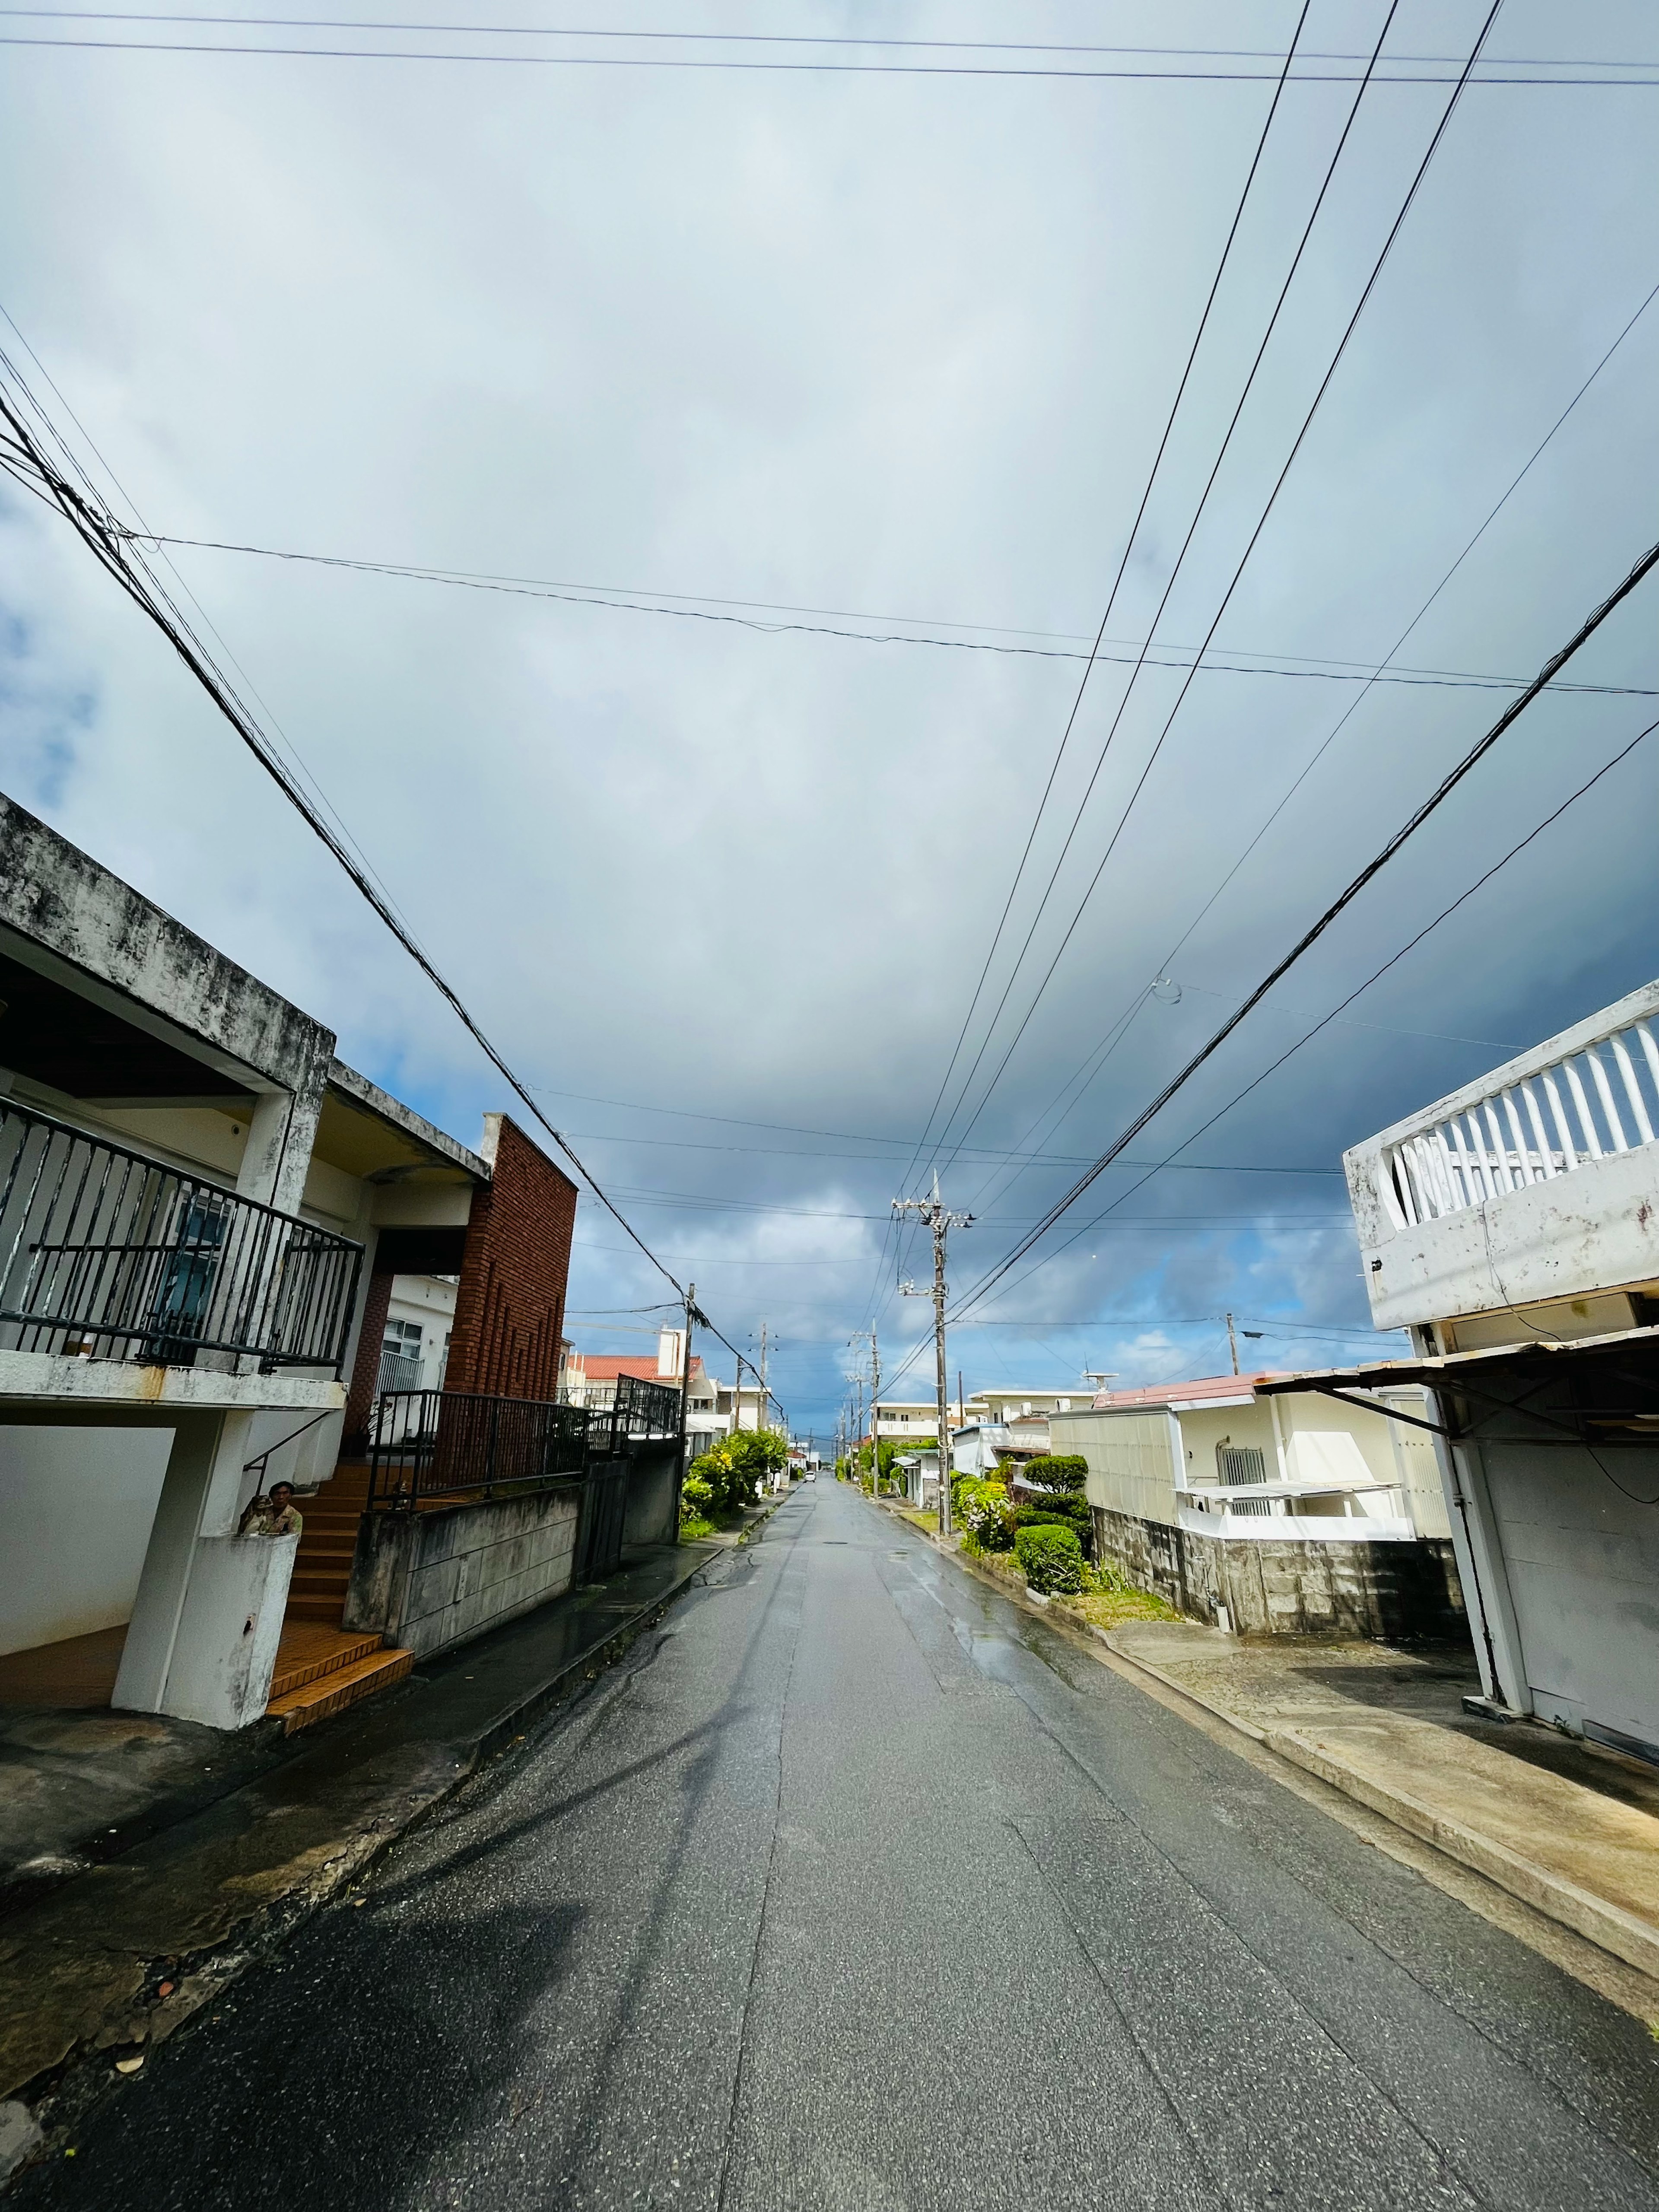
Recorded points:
(887, 351)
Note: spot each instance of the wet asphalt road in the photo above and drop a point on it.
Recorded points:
(855, 1886)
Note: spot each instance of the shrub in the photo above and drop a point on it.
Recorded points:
(696, 1496)
(1066, 1471)
(983, 1513)
(1051, 1556)
(735, 1468)
(1065, 1503)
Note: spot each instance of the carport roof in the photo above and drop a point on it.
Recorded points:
(1445, 1367)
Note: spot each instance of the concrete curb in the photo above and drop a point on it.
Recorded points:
(81, 1974)
(1607, 1925)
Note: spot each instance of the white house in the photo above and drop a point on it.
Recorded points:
(1513, 1226)
(208, 1222)
(1266, 1509)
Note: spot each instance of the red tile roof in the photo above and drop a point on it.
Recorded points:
(605, 1366)
(1164, 1394)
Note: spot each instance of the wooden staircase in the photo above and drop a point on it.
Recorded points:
(322, 1667)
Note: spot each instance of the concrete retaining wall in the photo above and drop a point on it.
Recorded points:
(1392, 1592)
(428, 1580)
(654, 1494)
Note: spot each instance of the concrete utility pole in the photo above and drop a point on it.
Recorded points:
(941, 1221)
(760, 1415)
(859, 1337)
(1232, 1343)
(685, 1388)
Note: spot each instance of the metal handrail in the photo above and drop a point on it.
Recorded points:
(429, 1443)
(110, 1255)
(448, 1443)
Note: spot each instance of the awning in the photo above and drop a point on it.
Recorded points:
(1443, 1369)
(1504, 1381)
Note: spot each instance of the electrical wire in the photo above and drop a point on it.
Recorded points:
(761, 38)
(1371, 282)
(1397, 76)
(615, 599)
(1118, 580)
(906, 1180)
(23, 457)
(1085, 1075)
(1642, 568)
(1170, 583)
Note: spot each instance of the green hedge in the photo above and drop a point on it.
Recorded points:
(1051, 1556)
(1064, 1471)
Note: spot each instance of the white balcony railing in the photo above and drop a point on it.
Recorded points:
(1533, 1186)
(1600, 1097)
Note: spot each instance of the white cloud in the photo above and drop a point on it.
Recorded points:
(893, 344)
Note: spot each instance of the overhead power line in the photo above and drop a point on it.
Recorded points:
(1173, 1159)
(764, 38)
(1116, 585)
(1111, 601)
(1512, 74)
(23, 457)
(1297, 666)
(1082, 1078)
(1471, 759)
(1280, 481)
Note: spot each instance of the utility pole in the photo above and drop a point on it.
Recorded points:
(736, 1396)
(875, 1406)
(760, 1417)
(686, 1391)
(1232, 1343)
(940, 1221)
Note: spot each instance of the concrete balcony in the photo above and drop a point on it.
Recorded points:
(118, 1271)
(1536, 1187)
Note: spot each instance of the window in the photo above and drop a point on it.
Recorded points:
(1242, 1464)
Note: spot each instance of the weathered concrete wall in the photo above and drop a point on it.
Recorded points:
(1392, 1591)
(59, 897)
(654, 1493)
(428, 1580)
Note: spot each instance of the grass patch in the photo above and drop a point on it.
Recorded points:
(1112, 1608)
(698, 1530)
(928, 1523)
(1103, 1609)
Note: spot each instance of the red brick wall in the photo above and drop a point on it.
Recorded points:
(510, 1310)
(365, 1368)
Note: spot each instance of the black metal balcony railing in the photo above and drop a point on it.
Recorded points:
(439, 1444)
(432, 1443)
(644, 1409)
(106, 1253)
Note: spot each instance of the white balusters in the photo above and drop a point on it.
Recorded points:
(1514, 1136)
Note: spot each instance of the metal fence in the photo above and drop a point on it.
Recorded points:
(437, 1443)
(108, 1254)
(644, 1409)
